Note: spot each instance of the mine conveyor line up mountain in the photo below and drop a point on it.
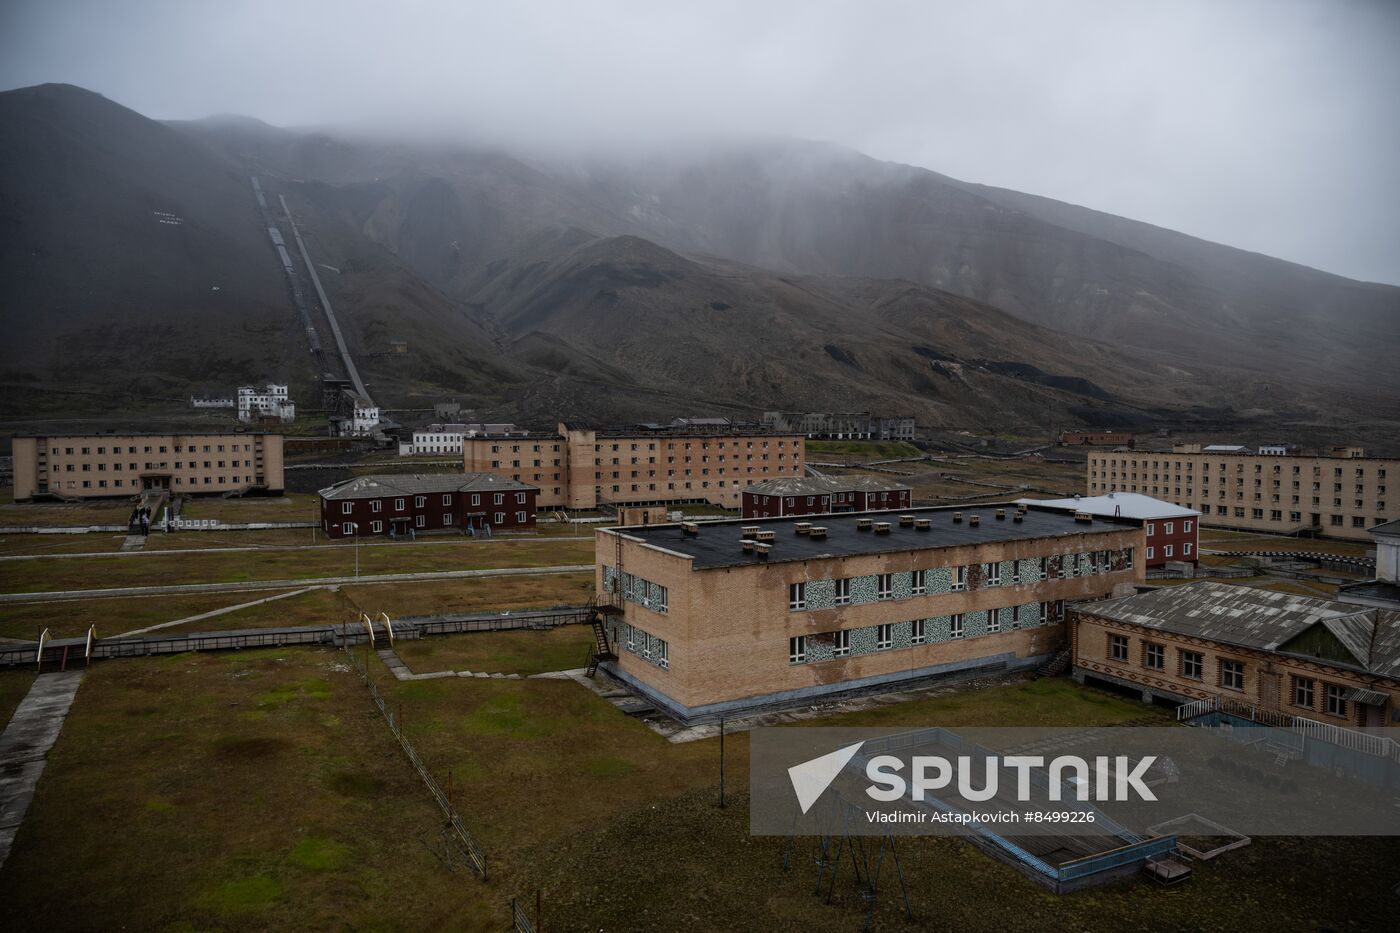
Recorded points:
(313, 338)
(349, 363)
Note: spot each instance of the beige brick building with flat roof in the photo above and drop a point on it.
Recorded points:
(93, 466)
(704, 624)
(583, 468)
(1339, 494)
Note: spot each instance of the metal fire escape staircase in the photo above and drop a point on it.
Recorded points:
(603, 604)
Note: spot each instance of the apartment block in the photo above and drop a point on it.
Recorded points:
(96, 465)
(711, 618)
(1340, 493)
(1320, 659)
(580, 467)
(1173, 532)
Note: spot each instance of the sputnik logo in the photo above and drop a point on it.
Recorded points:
(811, 778)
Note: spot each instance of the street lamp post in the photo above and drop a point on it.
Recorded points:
(355, 533)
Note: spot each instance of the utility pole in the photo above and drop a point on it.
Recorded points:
(721, 762)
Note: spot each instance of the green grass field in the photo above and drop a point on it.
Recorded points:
(240, 791)
(162, 570)
(14, 684)
(511, 652)
(861, 450)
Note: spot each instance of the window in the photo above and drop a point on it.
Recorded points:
(886, 586)
(346, 508)
(1186, 550)
(1044, 568)
(421, 521)
(1186, 526)
(994, 574)
(797, 649)
(375, 505)
(959, 578)
(520, 518)
(631, 633)
(500, 518)
(994, 621)
(376, 527)
(843, 591)
(1151, 553)
(919, 583)
(1191, 665)
(1167, 551)
(1151, 528)
(1232, 674)
(420, 501)
(663, 656)
(840, 643)
(884, 637)
(797, 596)
(955, 626)
(520, 496)
(1154, 656)
(398, 505)
(1118, 647)
(499, 498)
(1303, 692)
(447, 500)
(916, 633)
(1336, 700)
(1128, 558)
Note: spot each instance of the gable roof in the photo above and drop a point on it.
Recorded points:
(1124, 504)
(1249, 617)
(417, 484)
(1387, 528)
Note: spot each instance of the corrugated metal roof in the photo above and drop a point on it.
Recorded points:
(823, 485)
(1264, 619)
(1126, 504)
(417, 484)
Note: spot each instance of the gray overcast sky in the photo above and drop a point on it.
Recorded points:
(1266, 124)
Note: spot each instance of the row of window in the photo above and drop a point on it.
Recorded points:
(161, 448)
(1230, 674)
(1296, 470)
(377, 505)
(1169, 527)
(179, 465)
(635, 589)
(1169, 550)
(448, 520)
(1295, 517)
(136, 483)
(645, 646)
(981, 575)
(883, 637)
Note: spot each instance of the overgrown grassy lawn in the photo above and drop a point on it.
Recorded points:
(621, 831)
(435, 597)
(291, 507)
(14, 684)
(239, 791)
(156, 570)
(510, 652)
(63, 514)
(1222, 540)
(861, 450)
(71, 618)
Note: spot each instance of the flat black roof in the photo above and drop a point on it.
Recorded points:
(717, 544)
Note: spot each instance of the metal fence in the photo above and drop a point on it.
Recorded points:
(520, 921)
(470, 850)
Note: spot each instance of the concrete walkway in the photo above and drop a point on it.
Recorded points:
(25, 743)
(362, 580)
(213, 612)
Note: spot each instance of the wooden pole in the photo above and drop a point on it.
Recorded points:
(721, 762)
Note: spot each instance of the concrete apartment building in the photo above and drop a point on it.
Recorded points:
(93, 466)
(1297, 655)
(400, 504)
(1096, 438)
(580, 467)
(269, 401)
(1173, 532)
(717, 617)
(816, 495)
(842, 426)
(447, 438)
(1340, 493)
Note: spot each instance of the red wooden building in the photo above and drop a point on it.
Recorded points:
(815, 495)
(1172, 531)
(410, 505)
